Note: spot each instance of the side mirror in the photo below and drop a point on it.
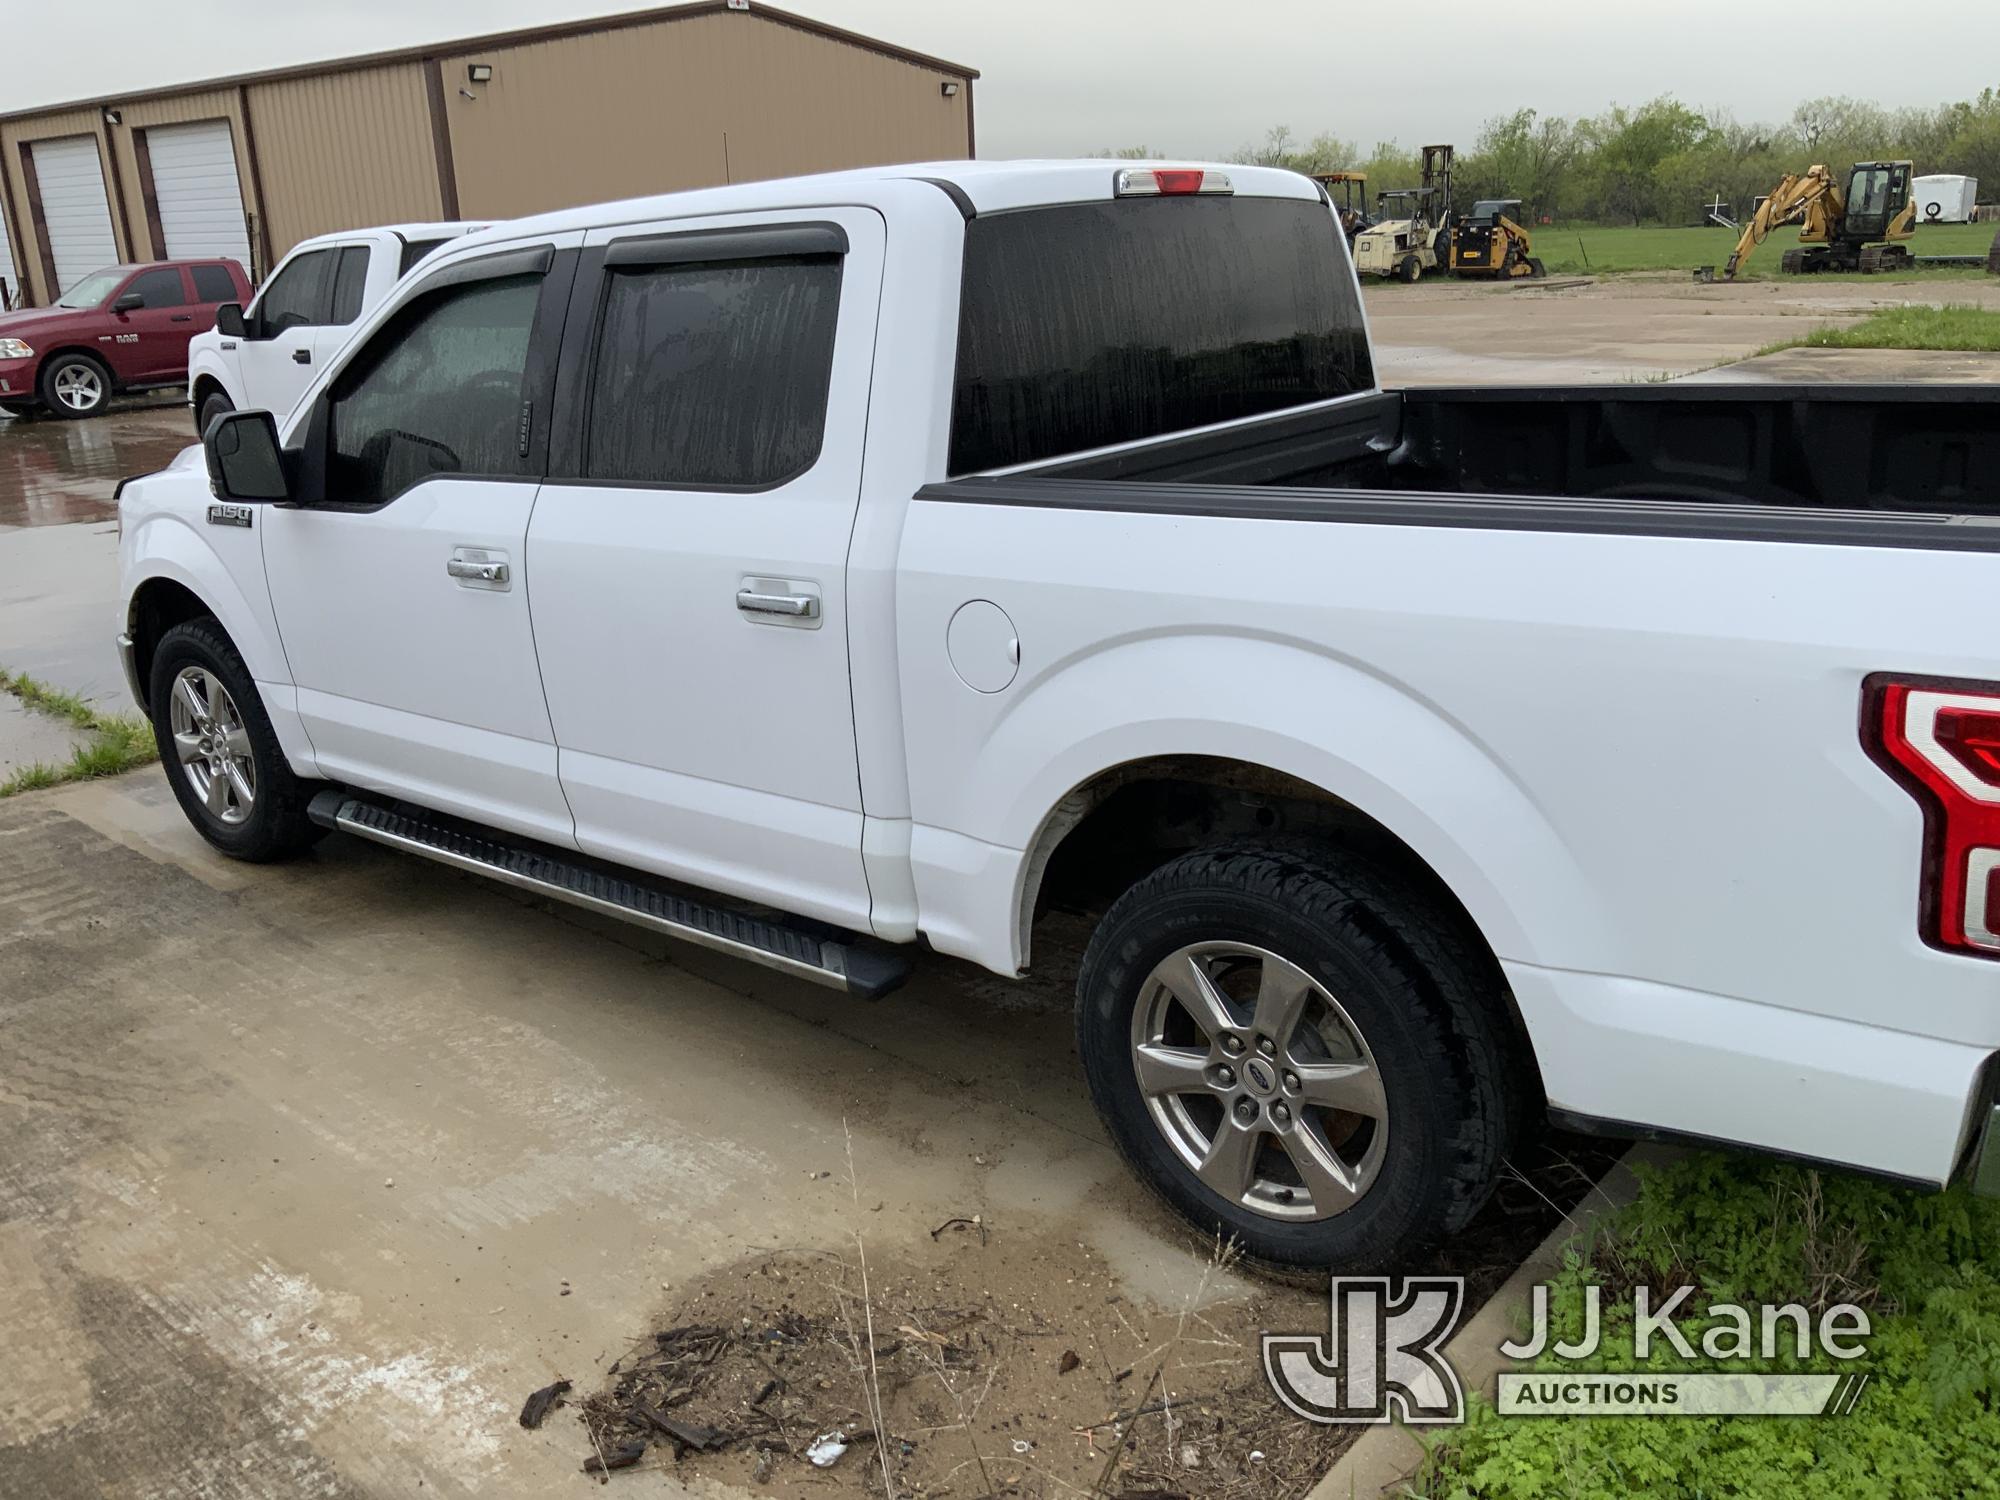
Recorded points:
(244, 460)
(229, 320)
(130, 302)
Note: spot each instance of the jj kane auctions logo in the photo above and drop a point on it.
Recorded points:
(1382, 1358)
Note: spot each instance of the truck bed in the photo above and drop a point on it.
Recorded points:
(1909, 451)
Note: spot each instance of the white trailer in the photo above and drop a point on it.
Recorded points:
(1945, 198)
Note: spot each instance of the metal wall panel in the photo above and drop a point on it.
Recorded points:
(344, 151)
(726, 97)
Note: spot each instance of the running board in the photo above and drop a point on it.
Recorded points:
(834, 961)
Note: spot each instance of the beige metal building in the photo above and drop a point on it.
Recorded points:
(486, 128)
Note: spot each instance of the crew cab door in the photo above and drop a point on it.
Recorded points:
(401, 584)
(149, 342)
(277, 356)
(690, 546)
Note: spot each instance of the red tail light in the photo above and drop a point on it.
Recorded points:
(1941, 740)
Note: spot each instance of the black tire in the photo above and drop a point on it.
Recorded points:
(1408, 269)
(1536, 270)
(53, 379)
(213, 405)
(276, 825)
(1428, 1002)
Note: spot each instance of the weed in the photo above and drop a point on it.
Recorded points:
(117, 743)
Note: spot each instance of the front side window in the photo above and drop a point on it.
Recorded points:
(1090, 324)
(161, 288)
(713, 375)
(214, 284)
(438, 391)
(350, 279)
(294, 297)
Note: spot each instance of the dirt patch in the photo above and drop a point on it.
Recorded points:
(977, 1363)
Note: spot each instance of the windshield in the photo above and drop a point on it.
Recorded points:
(1868, 193)
(93, 289)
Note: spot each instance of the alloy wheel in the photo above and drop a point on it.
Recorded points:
(79, 387)
(212, 745)
(1259, 1080)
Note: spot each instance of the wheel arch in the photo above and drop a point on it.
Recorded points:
(50, 356)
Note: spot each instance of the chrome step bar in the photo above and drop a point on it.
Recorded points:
(823, 956)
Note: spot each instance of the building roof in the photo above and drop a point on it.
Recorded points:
(452, 46)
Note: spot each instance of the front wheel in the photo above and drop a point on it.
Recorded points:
(222, 757)
(75, 385)
(1297, 1054)
(213, 405)
(1409, 269)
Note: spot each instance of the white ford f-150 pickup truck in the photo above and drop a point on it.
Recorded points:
(815, 568)
(264, 356)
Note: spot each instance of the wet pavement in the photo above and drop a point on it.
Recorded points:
(53, 473)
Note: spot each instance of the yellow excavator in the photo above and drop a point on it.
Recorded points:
(1851, 229)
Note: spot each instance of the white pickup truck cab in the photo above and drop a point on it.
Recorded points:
(814, 569)
(264, 356)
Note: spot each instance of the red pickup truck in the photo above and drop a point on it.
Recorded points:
(120, 329)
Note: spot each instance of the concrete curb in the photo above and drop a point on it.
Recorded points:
(1384, 1457)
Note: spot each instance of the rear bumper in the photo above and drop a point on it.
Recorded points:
(1732, 1072)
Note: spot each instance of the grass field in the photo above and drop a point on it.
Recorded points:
(1571, 251)
(1953, 327)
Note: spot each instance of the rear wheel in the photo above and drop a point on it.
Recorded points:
(1296, 1053)
(222, 757)
(75, 385)
(1536, 269)
(1408, 269)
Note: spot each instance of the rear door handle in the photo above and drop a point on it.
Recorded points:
(302, 356)
(181, 318)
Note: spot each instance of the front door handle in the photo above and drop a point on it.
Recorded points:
(302, 356)
(792, 606)
(181, 318)
(480, 568)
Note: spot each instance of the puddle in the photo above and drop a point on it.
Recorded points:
(54, 472)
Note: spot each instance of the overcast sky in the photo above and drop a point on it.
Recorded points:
(1188, 77)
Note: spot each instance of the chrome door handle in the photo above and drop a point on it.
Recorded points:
(480, 572)
(794, 606)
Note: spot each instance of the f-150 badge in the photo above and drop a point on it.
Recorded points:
(229, 515)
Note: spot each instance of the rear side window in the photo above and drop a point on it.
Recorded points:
(297, 294)
(1098, 323)
(416, 250)
(438, 391)
(161, 288)
(713, 375)
(350, 278)
(213, 284)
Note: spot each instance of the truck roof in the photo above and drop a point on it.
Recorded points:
(445, 229)
(988, 186)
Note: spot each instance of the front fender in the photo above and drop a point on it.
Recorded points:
(1286, 706)
(206, 359)
(168, 547)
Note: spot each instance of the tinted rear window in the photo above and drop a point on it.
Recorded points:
(214, 284)
(1099, 323)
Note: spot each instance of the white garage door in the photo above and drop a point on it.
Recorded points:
(8, 276)
(71, 179)
(194, 179)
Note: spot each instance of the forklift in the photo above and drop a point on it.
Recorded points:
(1490, 241)
(1413, 226)
(1348, 193)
